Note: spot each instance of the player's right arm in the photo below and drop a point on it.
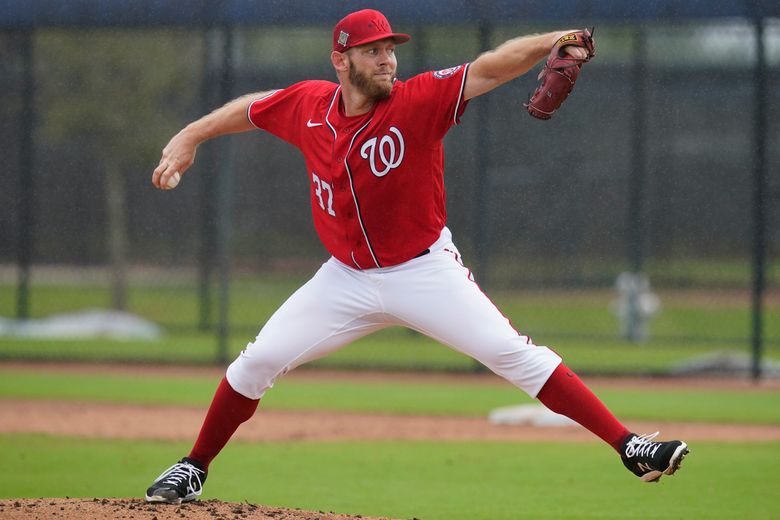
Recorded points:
(179, 154)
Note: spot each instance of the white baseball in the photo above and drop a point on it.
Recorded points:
(173, 180)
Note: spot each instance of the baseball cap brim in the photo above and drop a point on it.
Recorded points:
(398, 38)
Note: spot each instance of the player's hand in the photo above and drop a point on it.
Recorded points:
(575, 52)
(177, 156)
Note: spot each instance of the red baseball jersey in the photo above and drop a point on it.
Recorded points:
(377, 180)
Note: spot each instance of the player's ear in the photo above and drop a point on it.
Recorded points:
(340, 61)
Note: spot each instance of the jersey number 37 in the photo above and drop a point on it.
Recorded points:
(322, 186)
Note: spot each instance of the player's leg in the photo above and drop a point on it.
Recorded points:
(449, 307)
(334, 308)
(435, 294)
(566, 394)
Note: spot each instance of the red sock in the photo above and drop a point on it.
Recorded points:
(227, 411)
(566, 394)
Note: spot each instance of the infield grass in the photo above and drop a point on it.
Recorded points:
(577, 324)
(425, 480)
(439, 398)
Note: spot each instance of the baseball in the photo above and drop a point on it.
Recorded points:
(173, 180)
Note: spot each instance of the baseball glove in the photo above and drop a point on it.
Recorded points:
(559, 74)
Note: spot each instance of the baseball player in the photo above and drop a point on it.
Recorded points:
(375, 167)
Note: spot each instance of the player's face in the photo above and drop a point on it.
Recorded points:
(372, 68)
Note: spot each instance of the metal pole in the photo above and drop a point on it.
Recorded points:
(481, 224)
(760, 189)
(26, 176)
(420, 42)
(481, 231)
(224, 199)
(638, 172)
(636, 182)
(207, 187)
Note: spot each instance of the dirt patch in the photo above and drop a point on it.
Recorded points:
(179, 423)
(105, 508)
(175, 423)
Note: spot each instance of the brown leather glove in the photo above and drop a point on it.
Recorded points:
(559, 74)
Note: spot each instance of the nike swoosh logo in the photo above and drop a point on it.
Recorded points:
(312, 125)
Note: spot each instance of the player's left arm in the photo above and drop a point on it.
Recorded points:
(510, 60)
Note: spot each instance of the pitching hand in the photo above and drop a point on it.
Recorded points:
(177, 156)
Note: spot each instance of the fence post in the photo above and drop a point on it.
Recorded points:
(209, 101)
(760, 188)
(482, 208)
(26, 174)
(637, 181)
(224, 198)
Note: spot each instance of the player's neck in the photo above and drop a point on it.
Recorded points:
(354, 102)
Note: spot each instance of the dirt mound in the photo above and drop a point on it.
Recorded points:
(117, 508)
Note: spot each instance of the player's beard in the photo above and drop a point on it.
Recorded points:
(367, 85)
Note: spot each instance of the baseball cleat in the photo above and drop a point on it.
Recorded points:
(182, 482)
(650, 460)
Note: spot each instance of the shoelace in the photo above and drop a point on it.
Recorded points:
(177, 473)
(642, 446)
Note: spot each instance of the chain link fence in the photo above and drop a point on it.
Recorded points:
(648, 167)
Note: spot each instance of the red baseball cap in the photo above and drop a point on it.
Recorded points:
(361, 27)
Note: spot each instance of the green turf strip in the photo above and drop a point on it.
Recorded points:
(390, 397)
(392, 349)
(577, 324)
(577, 312)
(426, 480)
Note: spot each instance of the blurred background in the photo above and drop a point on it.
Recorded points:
(635, 232)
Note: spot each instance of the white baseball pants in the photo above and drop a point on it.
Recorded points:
(433, 294)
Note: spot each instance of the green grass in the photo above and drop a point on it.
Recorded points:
(187, 349)
(427, 480)
(390, 397)
(252, 301)
(389, 349)
(577, 324)
(710, 315)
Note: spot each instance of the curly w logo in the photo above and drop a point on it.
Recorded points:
(389, 149)
(380, 24)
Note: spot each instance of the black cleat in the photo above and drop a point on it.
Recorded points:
(650, 460)
(182, 482)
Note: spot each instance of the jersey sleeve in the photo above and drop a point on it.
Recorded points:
(279, 112)
(437, 98)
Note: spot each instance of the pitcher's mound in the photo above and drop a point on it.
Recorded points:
(129, 508)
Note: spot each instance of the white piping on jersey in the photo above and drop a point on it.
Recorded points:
(460, 94)
(349, 174)
(354, 261)
(335, 97)
(249, 108)
(354, 195)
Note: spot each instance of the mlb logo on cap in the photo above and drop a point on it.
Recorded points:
(362, 27)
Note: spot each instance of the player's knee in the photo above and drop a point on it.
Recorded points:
(255, 371)
(517, 356)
